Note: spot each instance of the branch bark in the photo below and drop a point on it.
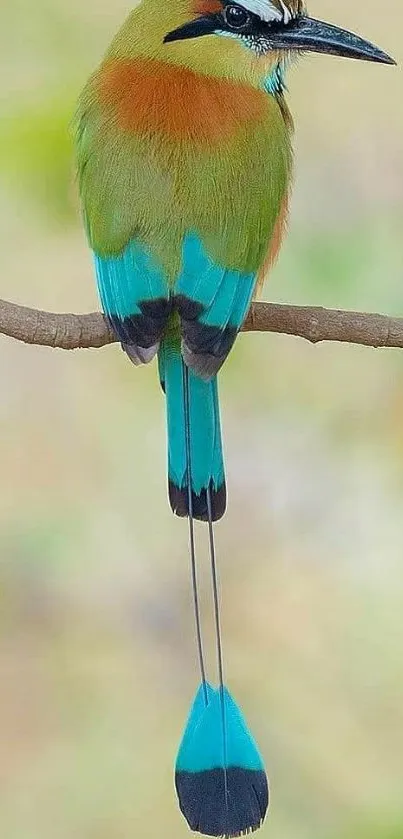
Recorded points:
(315, 324)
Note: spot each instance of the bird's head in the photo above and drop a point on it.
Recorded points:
(270, 30)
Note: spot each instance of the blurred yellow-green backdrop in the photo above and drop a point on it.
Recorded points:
(97, 663)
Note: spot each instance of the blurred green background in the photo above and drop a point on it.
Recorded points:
(97, 663)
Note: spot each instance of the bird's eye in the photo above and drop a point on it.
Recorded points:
(236, 17)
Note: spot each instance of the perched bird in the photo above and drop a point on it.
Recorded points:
(184, 161)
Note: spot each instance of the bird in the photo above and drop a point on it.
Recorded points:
(184, 161)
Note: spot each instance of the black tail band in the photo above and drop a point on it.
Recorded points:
(178, 497)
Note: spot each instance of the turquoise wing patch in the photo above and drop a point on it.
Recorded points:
(135, 298)
(212, 301)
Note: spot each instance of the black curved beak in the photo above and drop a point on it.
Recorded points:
(309, 35)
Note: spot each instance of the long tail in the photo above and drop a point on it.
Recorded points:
(206, 457)
(219, 776)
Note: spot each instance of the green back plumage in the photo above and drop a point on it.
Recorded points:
(157, 189)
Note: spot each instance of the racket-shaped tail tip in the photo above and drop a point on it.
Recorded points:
(221, 782)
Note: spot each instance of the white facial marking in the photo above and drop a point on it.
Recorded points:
(268, 12)
(264, 9)
(287, 16)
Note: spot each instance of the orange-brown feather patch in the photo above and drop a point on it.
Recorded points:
(151, 96)
(274, 246)
(207, 7)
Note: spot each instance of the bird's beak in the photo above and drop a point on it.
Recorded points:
(309, 35)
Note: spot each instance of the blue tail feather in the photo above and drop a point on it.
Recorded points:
(195, 715)
(203, 749)
(222, 789)
(207, 466)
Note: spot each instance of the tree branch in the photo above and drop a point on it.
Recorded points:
(69, 332)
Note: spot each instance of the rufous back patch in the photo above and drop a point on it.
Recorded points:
(151, 96)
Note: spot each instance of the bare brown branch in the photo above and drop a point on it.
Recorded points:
(69, 332)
